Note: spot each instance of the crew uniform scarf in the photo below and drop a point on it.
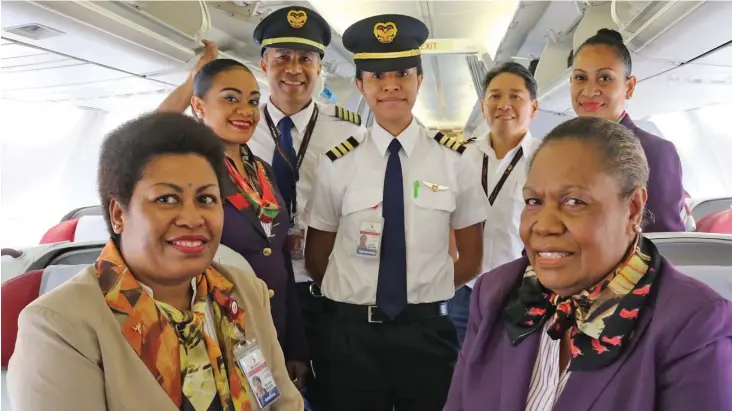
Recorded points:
(196, 372)
(600, 319)
(255, 190)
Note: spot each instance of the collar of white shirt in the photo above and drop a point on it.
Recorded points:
(408, 138)
(528, 143)
(299, 119)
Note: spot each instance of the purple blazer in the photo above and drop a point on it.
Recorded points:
(679, 358)
(665, 189)
(244, 234)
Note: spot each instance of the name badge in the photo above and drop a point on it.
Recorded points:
(296, 243)
(369, 239)
(251, 362)
(296, 240)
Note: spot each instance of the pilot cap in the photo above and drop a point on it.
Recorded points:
(388, 42)
(295, 27)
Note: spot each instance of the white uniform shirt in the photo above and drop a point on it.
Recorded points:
(329, 131)
(547, 380)
(349, 191)
(501, 240)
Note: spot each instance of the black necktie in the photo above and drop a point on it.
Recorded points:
(391, 291)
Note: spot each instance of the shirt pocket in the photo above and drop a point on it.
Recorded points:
(361, 200)
(429, 220)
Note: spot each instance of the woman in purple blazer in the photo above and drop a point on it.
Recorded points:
(256, 222)
(593, 318)
(601, 83)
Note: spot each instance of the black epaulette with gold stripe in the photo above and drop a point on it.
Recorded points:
(450, 142)
(347, 115)
(342, 149)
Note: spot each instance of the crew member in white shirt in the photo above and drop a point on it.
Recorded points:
(385, 328)
(294, 131)
(503, 155)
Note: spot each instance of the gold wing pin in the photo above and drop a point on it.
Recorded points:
(435, 187)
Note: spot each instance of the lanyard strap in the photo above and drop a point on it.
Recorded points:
(504, 177)
(275, 133)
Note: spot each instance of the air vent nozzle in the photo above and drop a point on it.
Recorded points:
(34, 31)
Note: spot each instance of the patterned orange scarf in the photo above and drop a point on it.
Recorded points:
(151, 335)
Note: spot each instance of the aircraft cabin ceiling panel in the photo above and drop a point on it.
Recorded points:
(80, 40)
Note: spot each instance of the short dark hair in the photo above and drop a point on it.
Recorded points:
(359, 72)
(613, 40)
(621, 152)
(204, 78)
(512, 68)
(127, 150)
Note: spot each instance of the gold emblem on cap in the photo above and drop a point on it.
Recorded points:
(297, 18)
(385, 32)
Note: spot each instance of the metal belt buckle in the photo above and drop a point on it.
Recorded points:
(315, 290)
(371, 313)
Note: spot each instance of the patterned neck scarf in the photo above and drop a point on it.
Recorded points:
(188, 363)
(600, 319)
(255, 190)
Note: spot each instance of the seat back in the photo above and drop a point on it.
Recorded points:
(718, 278)
(702, 208)
(85, 228)
(719, 222)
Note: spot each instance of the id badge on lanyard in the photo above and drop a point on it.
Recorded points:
(296, 240)
(250, 360)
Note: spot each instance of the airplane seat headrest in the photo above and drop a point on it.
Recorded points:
(719, 222)
(85, 228)
(91, 228)
(717, 277)
(22, 290)
(60, 232)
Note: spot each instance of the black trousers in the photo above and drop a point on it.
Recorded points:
(397, 366)
(311, 308)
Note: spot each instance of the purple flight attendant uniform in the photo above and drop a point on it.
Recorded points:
(665, 189)
(270, 259)
(679, 356)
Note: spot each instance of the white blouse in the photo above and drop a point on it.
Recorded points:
(547, 382)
